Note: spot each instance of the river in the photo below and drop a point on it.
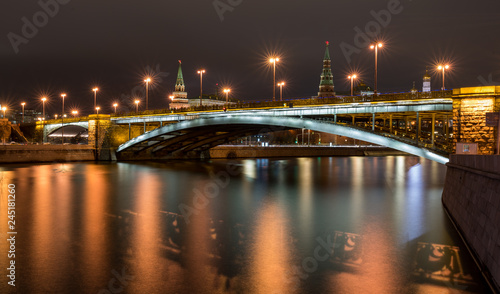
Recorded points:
(295, 225)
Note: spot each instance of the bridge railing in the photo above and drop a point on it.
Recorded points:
(297, 102)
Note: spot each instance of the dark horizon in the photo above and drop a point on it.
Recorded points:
(113, 45)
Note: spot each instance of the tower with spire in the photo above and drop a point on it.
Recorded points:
(179, 99)
(326, 82)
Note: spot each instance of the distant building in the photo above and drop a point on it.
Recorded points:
(414, 90)
(326, 88)
(362, 89)
(427, 82)
(180, 99)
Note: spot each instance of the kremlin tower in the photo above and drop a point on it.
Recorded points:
(326, 82)
(179, 99)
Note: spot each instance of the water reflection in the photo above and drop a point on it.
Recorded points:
(378, 220)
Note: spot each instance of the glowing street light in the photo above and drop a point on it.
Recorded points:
(376, 46)
(62, 118)
(352, 77)
(4, 110)
(443, 67)
(273, 61)
(281, 90)
(227, 94)
(201, 72)
(22, 104)
(95, 96)
(115, 105)
(43, 107)
(171, 97)
(74, 112)
(137, 105)
(147, 89)
(97, 109)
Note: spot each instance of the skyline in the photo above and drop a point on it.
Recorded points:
(233, 43)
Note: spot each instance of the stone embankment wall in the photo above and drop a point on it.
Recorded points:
(472, 198)
(45, 153)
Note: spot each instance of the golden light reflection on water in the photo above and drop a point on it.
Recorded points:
(305, 183)
(270, 253)
(146, 232)
(95, 223)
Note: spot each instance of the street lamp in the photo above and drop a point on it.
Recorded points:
(137, 105)
(97, 109)
(273, 61)
(376, 46)
(281, 90)
(43, 107)
(4, 110)
(62, 118)
(95, 96)
(74, 112)
(227, 94)
(147, 90)
(352, 77)
(201, 72)
(115, 105)
(443, 67)
(22, 104)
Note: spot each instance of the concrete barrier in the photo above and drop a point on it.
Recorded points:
(472, 198)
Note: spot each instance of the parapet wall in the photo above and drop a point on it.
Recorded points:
(472, 198)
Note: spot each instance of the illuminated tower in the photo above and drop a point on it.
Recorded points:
(427, 82)
(179, 96)
(326, 82)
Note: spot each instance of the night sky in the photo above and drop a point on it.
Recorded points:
(113, 44)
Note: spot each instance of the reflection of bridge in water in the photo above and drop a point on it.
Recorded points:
(420, 126)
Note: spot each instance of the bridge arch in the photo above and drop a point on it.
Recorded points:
(205, 133)
(51, 128)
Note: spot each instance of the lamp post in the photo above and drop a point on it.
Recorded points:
(95, 96)
(443, 67)
(136, 105)
(43, 107)
(147, 90)
(115, 105)
(4, 109)
(97, 109)
(74, 112)
(62, 118)
(281, 90)
(273, 61)
(376, 46)
(227, 94)
(352, 77)
(201, 72)
(22, 104)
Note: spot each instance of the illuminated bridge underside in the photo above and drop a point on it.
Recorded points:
(204, 133)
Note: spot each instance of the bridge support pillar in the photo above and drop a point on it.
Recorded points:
(353, 120)
(373, 121)
(390, 123)
(335, 118)
(417, 130)
(470, 106)
(144, 127)
(433, 128)
(99, 135)
(129, 131)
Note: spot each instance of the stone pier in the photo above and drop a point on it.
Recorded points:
(470, 106)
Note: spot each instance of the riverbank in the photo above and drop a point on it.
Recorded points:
(45, 153)
(238, 151)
